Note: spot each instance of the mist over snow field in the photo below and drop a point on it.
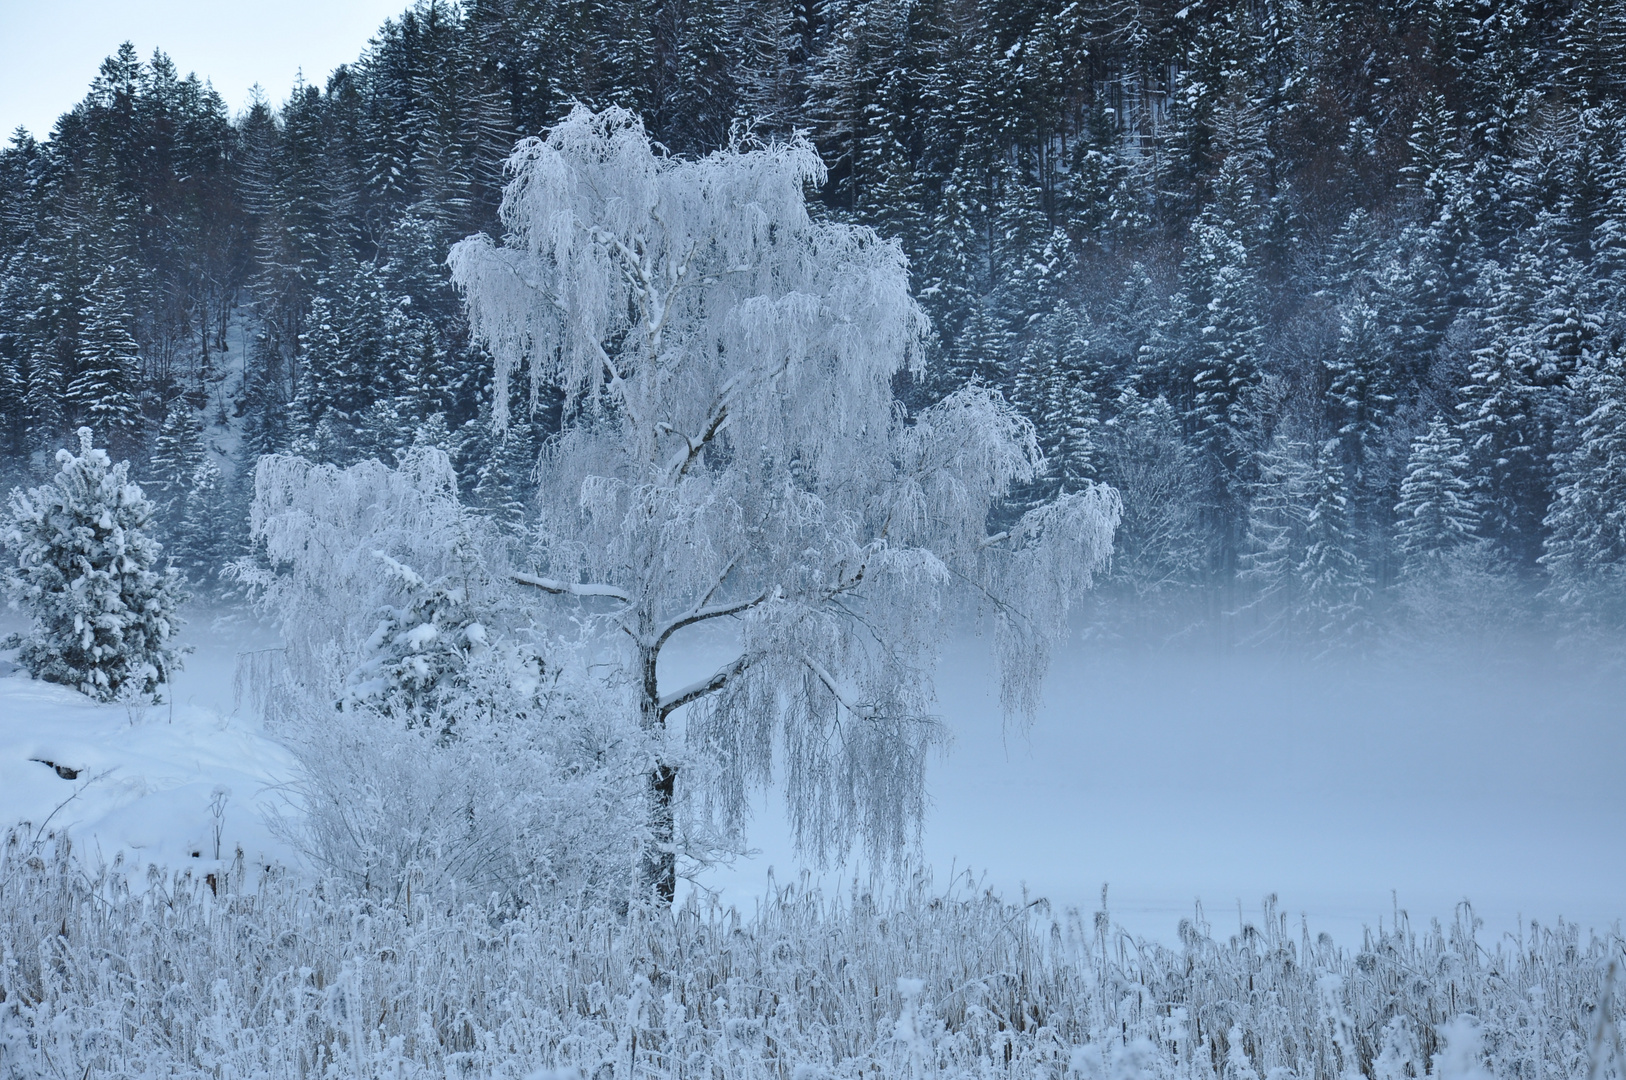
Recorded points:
(1343, 788)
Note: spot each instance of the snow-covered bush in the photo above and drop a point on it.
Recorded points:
(528, 790)
(443, 750)
(163, 977)
(86, 569)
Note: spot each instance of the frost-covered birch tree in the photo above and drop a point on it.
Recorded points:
(733, 450)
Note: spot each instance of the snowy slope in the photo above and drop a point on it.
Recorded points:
(140, 781)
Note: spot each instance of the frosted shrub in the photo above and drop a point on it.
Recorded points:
(87, 571)
(102, 976)
(442, 751)
(534, 801)
(322, 536)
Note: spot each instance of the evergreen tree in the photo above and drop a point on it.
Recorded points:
(416, 661)
(205, 530)
(177, 452)
(1159, 550)
(1436, 514)
(1209, 356)
(1361, 396)
(505, 484)
(1585, 550)
(1334, 584)
(107, 364)
(104, 616)
(1277, 535)
(1059, 386)
(1514, 402)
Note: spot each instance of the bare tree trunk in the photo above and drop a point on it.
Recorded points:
(660, 860)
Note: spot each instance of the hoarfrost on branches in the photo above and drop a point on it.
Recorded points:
(441, 754)
(320, 530)
(733, 449)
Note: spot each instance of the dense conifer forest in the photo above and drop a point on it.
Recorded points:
(1332, 292)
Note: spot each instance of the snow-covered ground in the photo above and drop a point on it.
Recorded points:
(150, 783)
(1343, 789)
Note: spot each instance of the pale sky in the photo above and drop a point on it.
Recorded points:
(50, 49)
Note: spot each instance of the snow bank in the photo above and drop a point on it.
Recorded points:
(155, 785)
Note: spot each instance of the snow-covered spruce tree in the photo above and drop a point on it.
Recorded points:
(733, 451)
(1585, 554)
(1335, 584)
(1436, 514)
(417, 659)
(1158, 551)
(108, 362)
(87, 570)
(1277, 535)
(1451, 579)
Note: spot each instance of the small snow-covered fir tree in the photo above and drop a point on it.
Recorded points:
(87, 570)
(416, 659)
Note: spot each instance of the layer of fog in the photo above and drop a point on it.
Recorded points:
(1343, 788)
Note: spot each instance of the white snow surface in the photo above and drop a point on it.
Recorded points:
(147, 776)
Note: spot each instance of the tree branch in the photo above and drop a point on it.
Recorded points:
(692, 447)
(864, 711)
(698, 614)
(697, 690)
(549, 585)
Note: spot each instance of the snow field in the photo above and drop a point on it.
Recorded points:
(133, 782)
(150, 785)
